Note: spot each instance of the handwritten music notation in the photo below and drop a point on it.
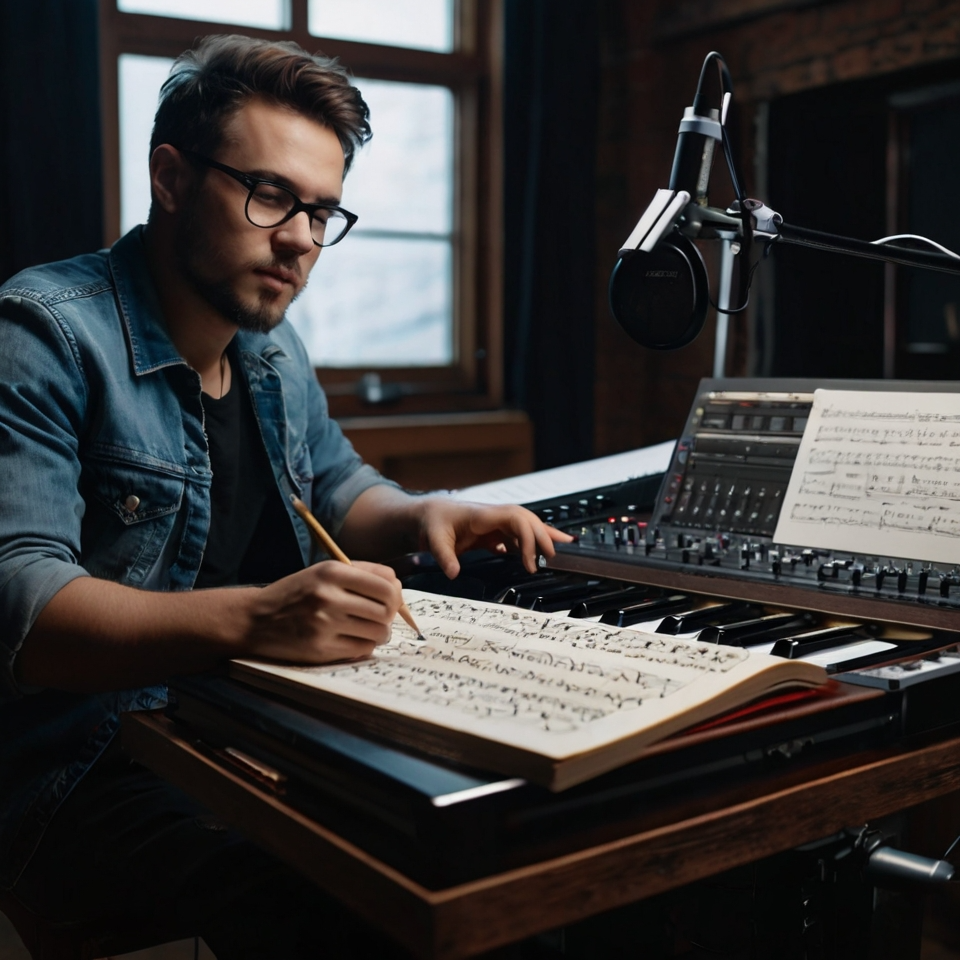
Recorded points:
(552, 675)
(491, 625)
(878, 473)
(494, 661)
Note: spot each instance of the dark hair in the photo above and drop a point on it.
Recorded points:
(210, 82)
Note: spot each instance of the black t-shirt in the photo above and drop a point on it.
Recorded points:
(251, 539)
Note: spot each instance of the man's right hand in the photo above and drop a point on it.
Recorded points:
(330, 611)
(95, 635)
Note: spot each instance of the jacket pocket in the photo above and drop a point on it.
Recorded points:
(130, 520)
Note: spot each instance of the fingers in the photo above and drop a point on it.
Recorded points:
(442, 543)
(330, 611)
(364, 592)
(518, 530)
(451, 527)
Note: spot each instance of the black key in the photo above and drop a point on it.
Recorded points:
(556, 596)
(534, 586)
(714, 616)
(760, 630)
(646, 610)
(556, 600)
(600, 603)
(793, 648)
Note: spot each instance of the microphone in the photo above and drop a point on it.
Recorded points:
(658, 289)
(700, 129)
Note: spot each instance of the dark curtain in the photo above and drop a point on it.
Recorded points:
(827, 162)
(51, 193)
(551, 90)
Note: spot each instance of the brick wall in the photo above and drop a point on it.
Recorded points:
(651, 57)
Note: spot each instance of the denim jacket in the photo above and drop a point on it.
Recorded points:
(104, 472)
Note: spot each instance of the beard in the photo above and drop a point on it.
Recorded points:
(193, 249)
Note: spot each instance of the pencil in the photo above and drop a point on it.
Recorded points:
(331, 546)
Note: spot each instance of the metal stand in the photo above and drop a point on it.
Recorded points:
(723, 302)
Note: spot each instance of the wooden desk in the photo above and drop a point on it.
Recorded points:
(679, 847)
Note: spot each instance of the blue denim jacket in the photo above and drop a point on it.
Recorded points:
(104, 472)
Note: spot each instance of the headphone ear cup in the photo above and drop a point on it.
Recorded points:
(660, 298)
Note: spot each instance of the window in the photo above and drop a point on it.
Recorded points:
(409, 305)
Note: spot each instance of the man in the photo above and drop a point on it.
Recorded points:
(156, 415)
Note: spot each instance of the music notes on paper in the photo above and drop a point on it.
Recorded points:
(877, 473)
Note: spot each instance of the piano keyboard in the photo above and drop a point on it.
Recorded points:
(839, 644)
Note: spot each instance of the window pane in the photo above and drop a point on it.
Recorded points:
(403, 178)
(270, 14)
(140, 79)
(423, 24)
(384, 296)
(374, 301)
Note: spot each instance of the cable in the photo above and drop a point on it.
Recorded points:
(950, 848)
(914, 236)
(746, 287)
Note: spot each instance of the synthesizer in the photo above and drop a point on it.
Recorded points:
(711, 525)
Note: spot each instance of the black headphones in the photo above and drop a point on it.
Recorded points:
(660, 298)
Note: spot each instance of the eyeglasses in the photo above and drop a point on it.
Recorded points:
(269, 204)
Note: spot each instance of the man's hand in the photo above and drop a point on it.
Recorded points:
(330, 611)
(451, 527)
(96, 635)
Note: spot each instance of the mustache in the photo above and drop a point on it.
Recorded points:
(289, 265)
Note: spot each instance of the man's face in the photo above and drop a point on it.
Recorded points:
(250, 274)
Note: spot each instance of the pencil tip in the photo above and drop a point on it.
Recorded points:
(420, 636)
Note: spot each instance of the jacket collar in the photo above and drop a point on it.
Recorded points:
(150, 346)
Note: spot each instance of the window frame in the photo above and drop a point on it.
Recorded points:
(474, 379)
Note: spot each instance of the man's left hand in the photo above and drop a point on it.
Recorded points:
(451, 527)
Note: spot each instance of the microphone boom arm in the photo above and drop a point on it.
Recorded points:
(891, 253)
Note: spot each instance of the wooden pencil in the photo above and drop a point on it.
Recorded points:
(333, 548)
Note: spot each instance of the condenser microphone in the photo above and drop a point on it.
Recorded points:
(699, 132)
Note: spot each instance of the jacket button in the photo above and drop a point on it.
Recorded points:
(131, 503)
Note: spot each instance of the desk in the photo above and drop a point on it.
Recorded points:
(679, 846)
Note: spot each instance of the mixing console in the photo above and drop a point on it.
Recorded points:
(716, 510)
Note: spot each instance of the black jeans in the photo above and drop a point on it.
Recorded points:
(128, 849)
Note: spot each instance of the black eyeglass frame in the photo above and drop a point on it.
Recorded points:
(251, 183)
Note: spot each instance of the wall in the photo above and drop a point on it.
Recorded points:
(651, 55)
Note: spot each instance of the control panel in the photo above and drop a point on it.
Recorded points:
(716, 508)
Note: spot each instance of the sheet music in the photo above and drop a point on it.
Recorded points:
(877, 473)
(560, 481)
(548, 683)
